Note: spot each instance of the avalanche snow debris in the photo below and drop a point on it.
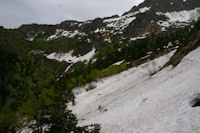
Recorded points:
(136, 102)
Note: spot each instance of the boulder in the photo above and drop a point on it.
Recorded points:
(91, 86)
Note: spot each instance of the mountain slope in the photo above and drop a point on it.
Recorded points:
(168, 5)
(134, 102)
(155, 22)
(138, 100)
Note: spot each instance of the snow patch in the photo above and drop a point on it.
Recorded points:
(144, 9)
(36, 51)
(139, 37)
(62, 33)
(108, 40)
(118, 63)
(30, 39)
(71, 59)
(100, 30)
(170, 44)
(182, 16)
(178, 19)
(121, 22)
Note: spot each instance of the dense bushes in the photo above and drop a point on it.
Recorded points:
(85, 74)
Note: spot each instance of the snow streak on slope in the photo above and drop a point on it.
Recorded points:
(62, 33)
(182, 16)
(139, 37)
(120, 23)
(134, 102)
(68, 57)
(118, 63)
(178, 19)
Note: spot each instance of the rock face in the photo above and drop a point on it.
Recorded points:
(194, 42)
(91, 86)
(196, 101)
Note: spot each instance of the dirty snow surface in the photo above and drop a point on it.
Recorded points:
(135, 102)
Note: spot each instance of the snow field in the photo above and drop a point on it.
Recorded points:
(135, 102)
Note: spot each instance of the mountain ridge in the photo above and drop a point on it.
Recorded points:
(167, 5)
(137, 21)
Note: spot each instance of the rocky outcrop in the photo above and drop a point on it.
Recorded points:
(91, 86)
(192, 43)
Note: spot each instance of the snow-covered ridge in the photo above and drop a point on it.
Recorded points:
(139, 37)
(120, 23)
(134, 102)
(68, 57)
(62, 33)
(178, 19)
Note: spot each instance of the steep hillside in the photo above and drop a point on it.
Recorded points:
(147, 98)
(134, 102)
(137, 101)
(192, 43)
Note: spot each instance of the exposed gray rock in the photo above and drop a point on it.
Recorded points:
(91, 86)
(196, 101)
